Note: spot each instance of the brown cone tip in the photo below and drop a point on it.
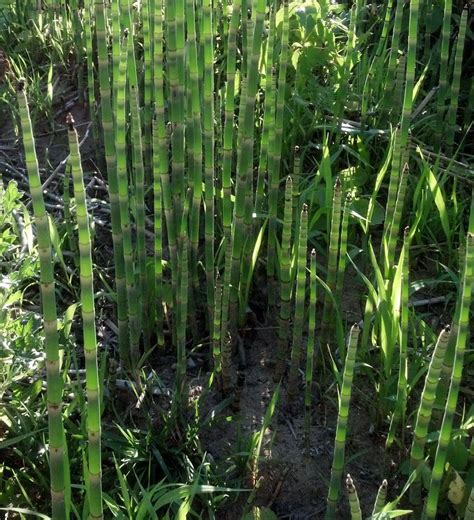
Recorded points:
(338, 182)
(313, 252)
(384, 483)
(20, 85)
(297, 150)
(70, 121)
(305, 208)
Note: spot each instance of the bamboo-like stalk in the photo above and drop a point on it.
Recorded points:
(94, 469)
(342, 261)
(160, 171)
(308, 393)
(354, 504)
(341, 428)
(228, 137)
(397, 29)
(182, 299)
(381, 498)
(195, 136)
(269, 111)
(443, 71)
(455, 84)
(334, 238)
(216, 337)
(58, 461)
(425, 411)
(123, 195)
(446, 427)
(226, 348)
(285, 283)
(274, 155)
(245, 145)
(110, 157)
(162, 142)
(208, 131)
(148, 87)
(402, 390)
(299, 305)
(137, 156)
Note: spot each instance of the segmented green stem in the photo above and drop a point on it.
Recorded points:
(341, 428)
(208, 128)
(110, 157)
(274, 154)
(285, 283)
(381, 498)
(308, 393)
(447, 425)
(216, 336)
(354, 504)
(58, 462)
(269, 112)
(455, 83)
(123, 194)
(341, 265)
(139, 170)
(332, 258)
(402, 390)
(228, 140)
(443, 70)
(226, 349)
(194, 136)
(299, 304)
(425, 411)
(94, 469)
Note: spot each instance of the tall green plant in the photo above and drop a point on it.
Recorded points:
(58, 459)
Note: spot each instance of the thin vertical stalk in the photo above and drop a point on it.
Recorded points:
(228, 140)
(274, 154)
(341, 428)
(354, 504)
(124, 201)
(285, 284)
(58, 460)
(455, 84)
(381, 498)
(425, 411)
(443, 70)
(334, 237)
(110, 158)
(94, 468)
(208, 131)
(308, 392)
(402, 390)
(461, 340)
(299, 305)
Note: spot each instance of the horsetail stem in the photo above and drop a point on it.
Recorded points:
(110, 158)
(299, 305)
(285, 283)
(354, 504)
(308, 394)
(269, 112)
(425, 411)
(381, 498)
(450, 408)
(208, 132)
(402, 390)
(332, 258)
(226, 348)
(455, 85)
(58, 461)
(228, 138)
(274, 152)
(94, 469)
(342, 420)
(124, 201)
(443, 70)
